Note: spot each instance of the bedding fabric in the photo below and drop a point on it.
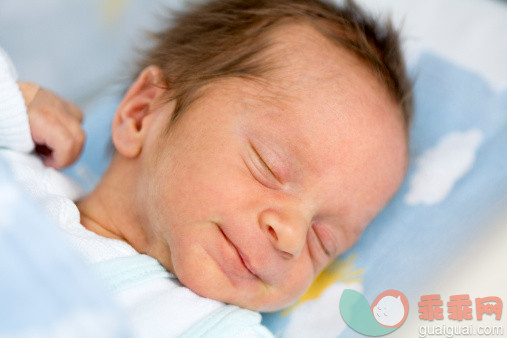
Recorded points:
(46, 290)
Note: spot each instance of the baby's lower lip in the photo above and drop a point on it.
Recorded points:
(245, 263)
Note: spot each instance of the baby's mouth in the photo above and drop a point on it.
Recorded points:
(244, 261)
(242, 257)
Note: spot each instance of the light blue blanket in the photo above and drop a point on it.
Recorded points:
(45, 288)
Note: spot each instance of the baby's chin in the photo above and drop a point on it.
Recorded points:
(251, 294)
(198, 270)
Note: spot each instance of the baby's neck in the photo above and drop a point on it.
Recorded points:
(91, 224)
(108, 212)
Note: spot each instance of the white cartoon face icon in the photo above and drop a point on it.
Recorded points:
(390, 308)
(389, 311)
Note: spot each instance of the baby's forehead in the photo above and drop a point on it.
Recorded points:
(265, 97)
(299, 53)
(298, 60)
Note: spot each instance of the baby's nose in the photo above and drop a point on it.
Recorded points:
(286, 230)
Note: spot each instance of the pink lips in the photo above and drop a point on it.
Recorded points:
(243, 259)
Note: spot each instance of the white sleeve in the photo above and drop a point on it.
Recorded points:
(14, 127)
(256, 331)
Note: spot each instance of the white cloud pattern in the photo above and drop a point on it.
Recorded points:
(439, 168)
(320, 317)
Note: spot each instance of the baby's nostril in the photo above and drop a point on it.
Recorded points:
(272, 232)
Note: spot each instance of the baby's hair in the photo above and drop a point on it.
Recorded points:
(224, 38)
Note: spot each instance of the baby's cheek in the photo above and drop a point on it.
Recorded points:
(302, 280)
(348, 238)
(219, 190)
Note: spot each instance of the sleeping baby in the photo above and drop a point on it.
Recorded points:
(255, 144)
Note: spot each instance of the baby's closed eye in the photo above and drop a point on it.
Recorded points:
(259, 170)
(326, 239)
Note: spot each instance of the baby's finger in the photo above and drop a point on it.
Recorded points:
(75, 129)
(48, 130)
(64, 150)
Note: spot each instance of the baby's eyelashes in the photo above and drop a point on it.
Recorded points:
(326, 239)
(261, 171)
(316, 248)
(264, 164)
(323, 246)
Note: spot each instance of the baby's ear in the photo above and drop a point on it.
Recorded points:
(133, 115)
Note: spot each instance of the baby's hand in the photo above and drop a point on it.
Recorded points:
(55, 125)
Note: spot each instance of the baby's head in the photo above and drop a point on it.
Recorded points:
(257, 143)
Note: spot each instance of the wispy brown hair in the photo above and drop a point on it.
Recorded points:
(223, 38)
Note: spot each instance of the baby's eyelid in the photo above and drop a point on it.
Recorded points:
(326, 233)
(326, 251)
(264, 164)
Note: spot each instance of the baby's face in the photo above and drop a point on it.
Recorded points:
(255, 189)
